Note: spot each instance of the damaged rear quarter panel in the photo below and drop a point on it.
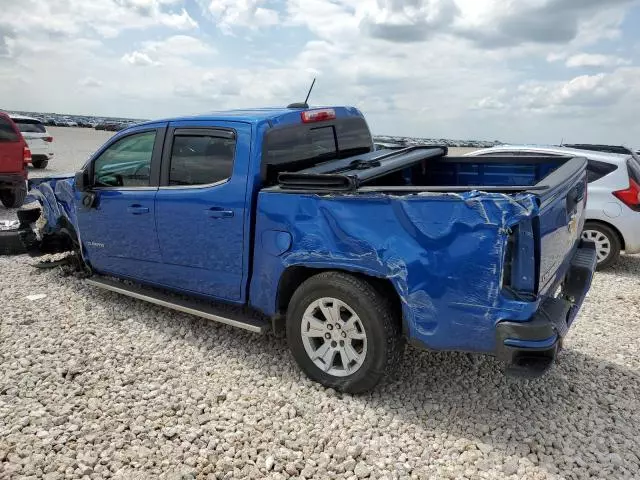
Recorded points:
(442, 252)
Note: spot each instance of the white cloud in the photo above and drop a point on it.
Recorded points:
(107, 17)
(179, 45)
(90, 82)
(229, 14)
(139, 59)
(595, 60)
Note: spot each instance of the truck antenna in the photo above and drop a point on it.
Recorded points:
(304, 104)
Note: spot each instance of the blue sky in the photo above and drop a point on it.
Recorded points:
(532, 71)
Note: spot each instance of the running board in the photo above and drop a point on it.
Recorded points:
(226, 314)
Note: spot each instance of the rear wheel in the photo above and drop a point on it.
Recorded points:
(40, 163)
(607, 242)
(13, 198)
(342, 333)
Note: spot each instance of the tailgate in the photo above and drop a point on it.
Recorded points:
(36, 142)
(11, 157)
(560, 221)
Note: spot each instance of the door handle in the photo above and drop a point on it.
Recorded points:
(218, 212)
(137, 209)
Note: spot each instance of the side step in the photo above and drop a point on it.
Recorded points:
(228, 315)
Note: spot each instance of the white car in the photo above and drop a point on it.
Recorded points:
(613, 195)
(38, 138)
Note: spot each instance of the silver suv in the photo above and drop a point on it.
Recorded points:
(613, 201)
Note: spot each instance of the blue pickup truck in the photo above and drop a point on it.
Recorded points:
(289, 220)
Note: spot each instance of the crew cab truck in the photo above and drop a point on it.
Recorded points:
(288, 219)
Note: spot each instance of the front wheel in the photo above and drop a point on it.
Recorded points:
(343, 333)
(607, 242)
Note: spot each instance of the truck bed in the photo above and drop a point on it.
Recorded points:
(427, 168)
(463, 237)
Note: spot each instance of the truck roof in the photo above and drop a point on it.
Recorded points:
(276, 115)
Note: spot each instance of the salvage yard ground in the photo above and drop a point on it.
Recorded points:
(96, 385)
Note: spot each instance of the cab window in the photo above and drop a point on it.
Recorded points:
(126, 163)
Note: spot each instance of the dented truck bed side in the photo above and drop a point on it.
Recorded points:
(443, 253)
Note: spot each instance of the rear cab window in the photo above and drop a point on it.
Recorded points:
(7, 131)
(201, 158)
(30, 126)
(296, 147)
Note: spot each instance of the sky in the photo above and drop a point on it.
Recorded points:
(522, 71)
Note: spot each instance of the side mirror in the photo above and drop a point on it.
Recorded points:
(82, 181)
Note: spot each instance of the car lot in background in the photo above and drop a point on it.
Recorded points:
(613, 206)
(37, 137)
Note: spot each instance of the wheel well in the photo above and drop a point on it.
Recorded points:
(615, 230)
(293, 277)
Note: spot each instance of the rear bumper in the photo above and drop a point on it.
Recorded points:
(11, 180)
(536, 341)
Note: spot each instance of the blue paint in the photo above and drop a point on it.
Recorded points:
(444, 253)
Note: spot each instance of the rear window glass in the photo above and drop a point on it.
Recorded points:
(634, 169)
(295, 148)
(30, 126)
(7, 133)
(596, 170)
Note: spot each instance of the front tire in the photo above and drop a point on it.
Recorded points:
(343, 333)
(607, 242)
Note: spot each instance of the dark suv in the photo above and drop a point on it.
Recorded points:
(14, 157)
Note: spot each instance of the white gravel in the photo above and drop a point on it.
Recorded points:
(96, 385)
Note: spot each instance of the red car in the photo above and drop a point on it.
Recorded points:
(14, 157)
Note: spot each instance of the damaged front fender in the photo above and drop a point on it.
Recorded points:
(50, 211)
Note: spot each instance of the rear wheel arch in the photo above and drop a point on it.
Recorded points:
(295, 276)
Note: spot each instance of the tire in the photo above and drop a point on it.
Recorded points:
(40, 163)
(374, 333)
(10, 243)
(13, 198)
(608, 244)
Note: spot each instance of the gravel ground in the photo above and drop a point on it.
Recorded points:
(96, 385)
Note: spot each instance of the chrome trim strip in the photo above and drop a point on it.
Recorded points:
(175, 306)
(186, 187)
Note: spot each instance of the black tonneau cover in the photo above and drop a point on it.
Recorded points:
(347, 174)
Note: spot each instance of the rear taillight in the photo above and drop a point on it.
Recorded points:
(631, 196)
(26, 155)
(48, 139)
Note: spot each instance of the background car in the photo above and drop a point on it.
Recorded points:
(38, 138)
(613, 202)
(14, 156)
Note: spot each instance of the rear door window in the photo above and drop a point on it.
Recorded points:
(30, 126)
(201, 159)
(7, 132)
